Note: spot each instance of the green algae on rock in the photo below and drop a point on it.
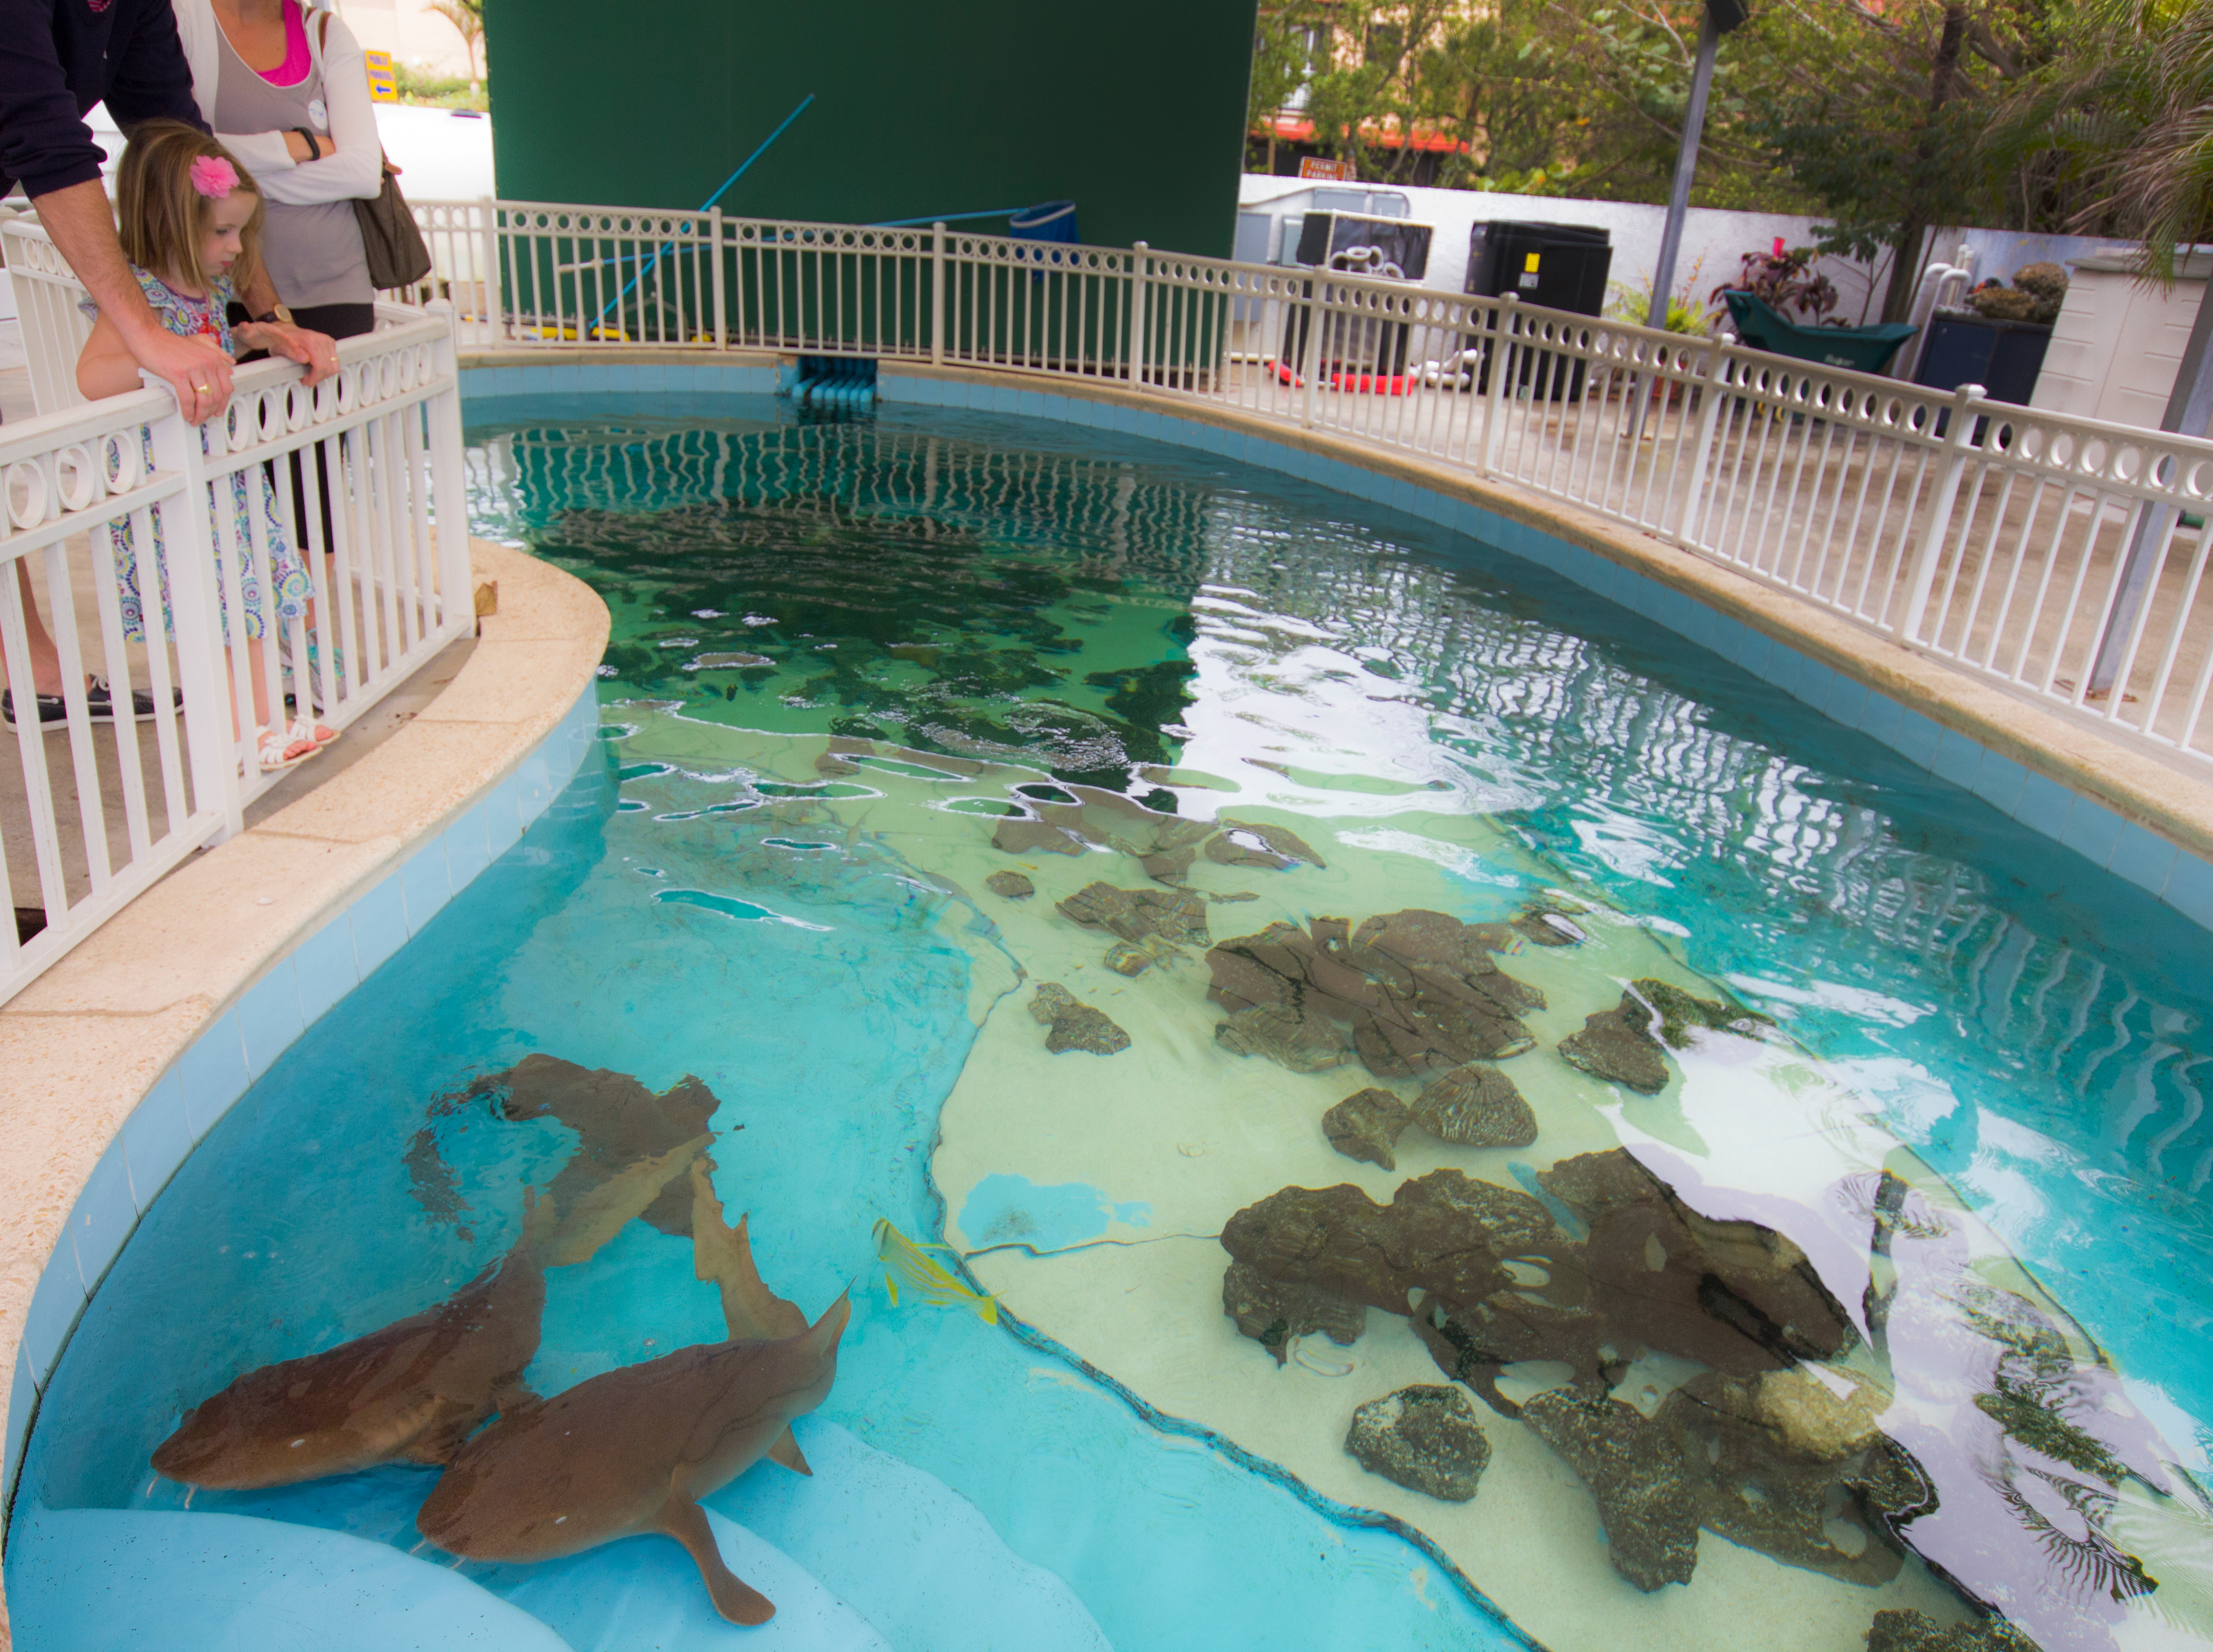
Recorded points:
(1075, 1025)
(1621, 1045)
(1424, 1437)
(1010, 886)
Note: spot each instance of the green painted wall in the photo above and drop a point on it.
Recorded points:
(1135, 110)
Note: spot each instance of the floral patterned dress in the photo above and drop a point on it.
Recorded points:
(288, 581)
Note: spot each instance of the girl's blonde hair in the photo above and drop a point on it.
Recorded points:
(163, 218)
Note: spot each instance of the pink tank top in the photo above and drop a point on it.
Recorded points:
(296, 64)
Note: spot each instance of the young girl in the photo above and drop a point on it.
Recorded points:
(189, 219)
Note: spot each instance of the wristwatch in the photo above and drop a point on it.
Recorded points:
(281, 315)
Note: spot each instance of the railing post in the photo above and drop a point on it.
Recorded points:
(186, 518)
(1498, 360)
(1310, 351)
(450, 501)
(937, 295)
(1964, 402)
(1691, 517)
(1139, 259)
(488, 253)
(714, 263)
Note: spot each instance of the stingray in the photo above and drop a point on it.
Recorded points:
(413, 1391)
(618, 1123)
(633, 1450)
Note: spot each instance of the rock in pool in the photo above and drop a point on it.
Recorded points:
(1549, 925)
(1408, 990)
(1475, 1105)
(1615, 1046)
(1125, 960)
(1177, 917)
(1425, 1438)
(1010, 886)
(1366, 1125)
(1283, 1036)
(1620, 1045)
(1253, 843)
(1075, 1025)
(1838, 1516)
(1908, 1630)
(1273, 1312)
(1632, 1466)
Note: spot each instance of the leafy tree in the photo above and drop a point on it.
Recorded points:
(1880, 116)
(467, 18)
(2113, 131)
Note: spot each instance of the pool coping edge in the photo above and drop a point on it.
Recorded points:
(135, 1043)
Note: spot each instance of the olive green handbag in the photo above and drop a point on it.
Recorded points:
(397, 255)
(396, 252)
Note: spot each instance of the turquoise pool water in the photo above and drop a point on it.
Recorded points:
(1914, 1252)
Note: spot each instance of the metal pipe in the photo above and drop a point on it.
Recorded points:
(1687, 164)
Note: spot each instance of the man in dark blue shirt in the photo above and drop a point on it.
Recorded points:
(58, 58)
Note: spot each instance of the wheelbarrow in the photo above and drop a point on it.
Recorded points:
(1863, 350)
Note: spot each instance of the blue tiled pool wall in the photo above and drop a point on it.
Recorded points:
(2181, 880)
(247, 1040)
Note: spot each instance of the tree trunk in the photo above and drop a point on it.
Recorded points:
(1913, 229)
(1906, 267)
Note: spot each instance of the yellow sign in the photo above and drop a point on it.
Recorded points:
(383, 79)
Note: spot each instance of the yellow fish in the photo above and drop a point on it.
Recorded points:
(926, 1278)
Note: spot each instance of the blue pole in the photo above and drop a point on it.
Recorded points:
(705, 205)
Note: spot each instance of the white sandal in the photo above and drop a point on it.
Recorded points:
(304, 729)
(274, 749)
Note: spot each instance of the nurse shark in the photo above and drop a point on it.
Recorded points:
(633, 1450)
(414, 1390)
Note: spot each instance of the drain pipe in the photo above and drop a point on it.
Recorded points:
(1928, 299)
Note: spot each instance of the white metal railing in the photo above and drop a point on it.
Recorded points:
(47, 293)
(364, 476)
(2062, 559)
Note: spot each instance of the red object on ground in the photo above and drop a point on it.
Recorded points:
(1360, 384)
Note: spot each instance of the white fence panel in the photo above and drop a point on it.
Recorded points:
(1992, 537)
(359, 483)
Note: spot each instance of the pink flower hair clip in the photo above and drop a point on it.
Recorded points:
(213, 176)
